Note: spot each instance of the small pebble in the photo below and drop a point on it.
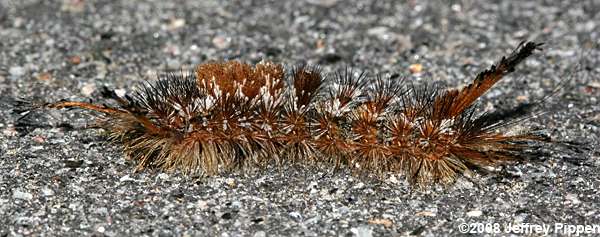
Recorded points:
(425, 213)
(121, 92)
(73, 6)
(88, 89)
(163, 176)
(572, 198)
(44, 76)
(415, 68)
(378, 31)
(203, 205)
(39, 139)
(221, 42)
(295, 215)
(126, 178)
(176, 24)
(16, 71)
(230, 182)
(383, 221)
(22, 195)
(474, 213)
(10, 131)
(362, 231)
(75, 60)
(47, 191)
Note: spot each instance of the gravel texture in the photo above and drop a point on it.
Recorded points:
(59, 179)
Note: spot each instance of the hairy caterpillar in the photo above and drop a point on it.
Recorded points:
(226, 115)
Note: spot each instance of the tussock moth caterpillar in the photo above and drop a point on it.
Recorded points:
(226, 115)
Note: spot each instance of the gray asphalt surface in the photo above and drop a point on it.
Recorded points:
(59, 179)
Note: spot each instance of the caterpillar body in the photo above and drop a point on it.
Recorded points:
(227, 115)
